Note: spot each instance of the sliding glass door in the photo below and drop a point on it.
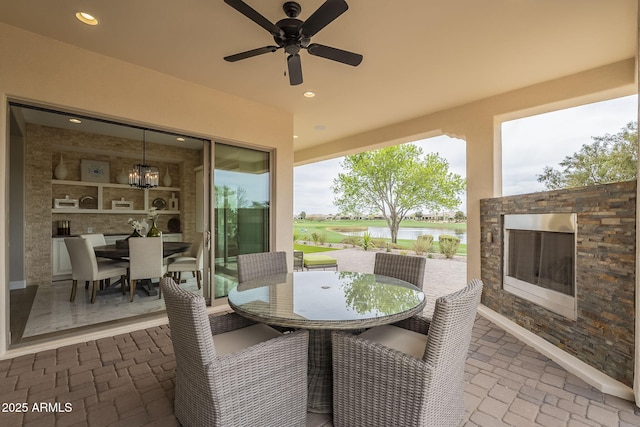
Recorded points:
(241, 205)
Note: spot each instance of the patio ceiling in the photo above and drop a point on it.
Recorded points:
(419, 58)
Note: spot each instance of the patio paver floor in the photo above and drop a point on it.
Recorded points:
(128, 379)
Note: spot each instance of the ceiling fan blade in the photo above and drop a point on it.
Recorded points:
(256, 17)
(323, 16)
(335, 54)
(295, 69)
(250, 53)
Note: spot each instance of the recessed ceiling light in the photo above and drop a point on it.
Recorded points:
(76, 121)
(86, 18)
(309, 94)
(181, 139)
(295, 136)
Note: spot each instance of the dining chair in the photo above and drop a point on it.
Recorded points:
(180, 264)
(97, 239)
(404, 267)
(85, 267)
(252, 266)
(232, 371)
(390, 376)
(145, 261)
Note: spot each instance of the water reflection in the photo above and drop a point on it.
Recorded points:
(367, 293)
(412, 233)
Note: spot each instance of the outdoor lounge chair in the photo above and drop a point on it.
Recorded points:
(313, 261)
(231, 371)
(389, 376)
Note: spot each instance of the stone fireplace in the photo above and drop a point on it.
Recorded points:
(600, 332)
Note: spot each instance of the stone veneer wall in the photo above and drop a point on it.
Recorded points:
(603, 334)
(44, 145)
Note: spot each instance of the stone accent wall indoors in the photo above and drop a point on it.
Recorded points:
(44, 145)
(603, 334)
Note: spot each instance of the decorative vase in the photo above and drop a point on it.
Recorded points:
(135, 234)
(167, 181)
(153, 231)
(60, 172)
(122, 177)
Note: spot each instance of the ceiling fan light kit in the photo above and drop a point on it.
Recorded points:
(292, 35)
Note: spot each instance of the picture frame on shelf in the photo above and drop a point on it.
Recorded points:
(94, 171)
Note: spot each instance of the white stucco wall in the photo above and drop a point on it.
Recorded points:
(39, 70)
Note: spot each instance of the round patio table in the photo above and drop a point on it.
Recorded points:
(322, 301)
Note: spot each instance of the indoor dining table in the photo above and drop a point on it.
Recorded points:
(323, 301)
(122, 252)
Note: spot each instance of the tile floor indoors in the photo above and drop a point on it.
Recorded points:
(128, 379)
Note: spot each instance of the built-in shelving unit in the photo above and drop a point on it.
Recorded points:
(103, 206)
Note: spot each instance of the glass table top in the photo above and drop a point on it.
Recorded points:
(326, 299)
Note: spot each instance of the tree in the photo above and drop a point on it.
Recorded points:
(303, 215)
(609, 158)
(394, 181)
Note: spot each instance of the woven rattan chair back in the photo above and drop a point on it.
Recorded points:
(260, 385)
(252, 266)
(190, 330)
(447, 347)
(403, 267)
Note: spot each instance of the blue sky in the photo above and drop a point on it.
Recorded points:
(529, 145)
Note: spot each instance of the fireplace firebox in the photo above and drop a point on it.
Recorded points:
(540, 258)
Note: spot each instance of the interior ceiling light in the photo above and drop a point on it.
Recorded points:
(309, 94)
(181, 139)
(295, 136)
(86, 18)
(142, 175)
(76, 121)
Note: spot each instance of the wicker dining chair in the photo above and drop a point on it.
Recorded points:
(252, 266)
(231, 371)
(389, 376)
(403, 267)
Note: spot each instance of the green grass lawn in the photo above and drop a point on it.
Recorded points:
(328, 229)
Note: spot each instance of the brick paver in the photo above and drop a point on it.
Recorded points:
(128, 379)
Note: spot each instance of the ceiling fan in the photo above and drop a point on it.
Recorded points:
(293, 34)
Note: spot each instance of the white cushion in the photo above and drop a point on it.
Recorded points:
(404, 340)
(234, 341)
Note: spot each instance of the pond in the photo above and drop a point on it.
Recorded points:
(412, 233)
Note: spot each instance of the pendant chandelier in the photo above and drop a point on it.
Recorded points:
(143, 175)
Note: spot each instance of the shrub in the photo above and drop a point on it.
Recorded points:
(351, 240)
(379, 243)
(448, 245)
(420, 247)
(427, 239)
(403, 253)
(367, 242)
(318, 238)
(322, 238)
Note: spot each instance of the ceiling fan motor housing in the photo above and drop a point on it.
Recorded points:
(292, 9)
